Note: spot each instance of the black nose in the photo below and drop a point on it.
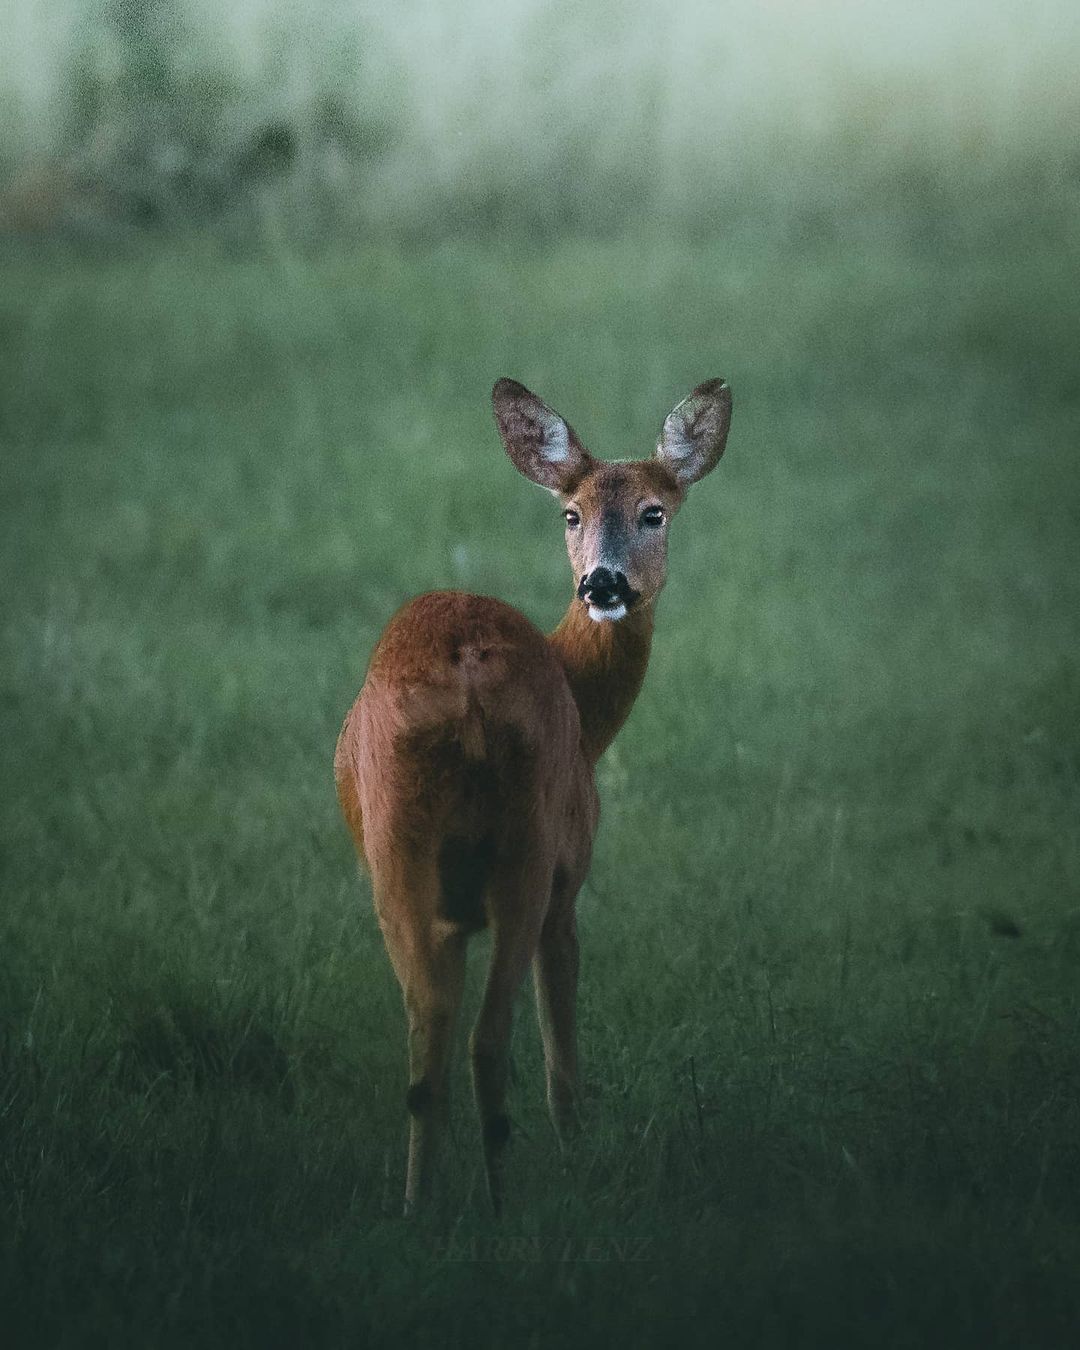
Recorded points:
(603, 588)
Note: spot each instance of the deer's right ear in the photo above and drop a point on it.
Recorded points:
(541, 444)
(695, 432)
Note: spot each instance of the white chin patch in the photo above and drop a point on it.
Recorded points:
(607, 615)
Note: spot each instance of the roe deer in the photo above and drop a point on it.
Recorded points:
(466, 766)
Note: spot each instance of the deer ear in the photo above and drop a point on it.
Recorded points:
(695, 432)
(541, 444)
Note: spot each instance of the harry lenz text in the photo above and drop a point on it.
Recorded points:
(508, 1247)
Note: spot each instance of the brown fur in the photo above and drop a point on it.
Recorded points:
(465, 771)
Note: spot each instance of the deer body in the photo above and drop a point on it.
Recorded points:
(466, 767)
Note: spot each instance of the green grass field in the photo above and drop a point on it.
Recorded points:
(831, 941)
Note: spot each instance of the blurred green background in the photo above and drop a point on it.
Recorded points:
(259, 268)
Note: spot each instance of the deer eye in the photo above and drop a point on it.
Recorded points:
(573, 520)
(653, 516)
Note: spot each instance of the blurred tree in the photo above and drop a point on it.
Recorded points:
(158, 132)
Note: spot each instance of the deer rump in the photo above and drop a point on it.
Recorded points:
(468, 736)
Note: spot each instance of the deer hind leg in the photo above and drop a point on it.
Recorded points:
(517, 911)
(555, 976)
(430, 966)
(431, 999)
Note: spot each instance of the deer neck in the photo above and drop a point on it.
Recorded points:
(605, 665)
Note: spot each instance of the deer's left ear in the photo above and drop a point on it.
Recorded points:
(541, 444)
(695, 432)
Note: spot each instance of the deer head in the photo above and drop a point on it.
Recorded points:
(617, 513)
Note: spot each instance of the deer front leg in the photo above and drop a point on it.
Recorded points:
(555, 976)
